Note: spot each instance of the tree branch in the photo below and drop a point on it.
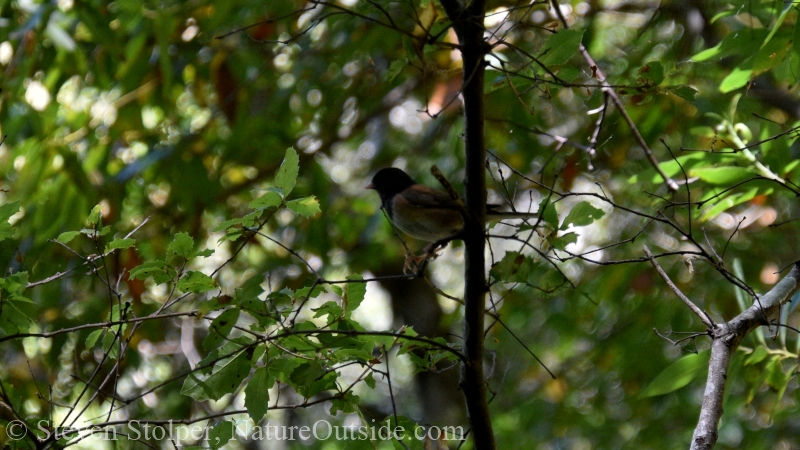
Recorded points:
(467, 18)
(725, 339)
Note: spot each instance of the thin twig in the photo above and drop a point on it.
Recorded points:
(699, 312)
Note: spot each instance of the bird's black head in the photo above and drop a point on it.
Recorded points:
(390, 181)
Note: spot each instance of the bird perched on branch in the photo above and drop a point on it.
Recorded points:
(423, 212)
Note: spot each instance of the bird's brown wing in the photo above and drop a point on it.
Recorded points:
(426, 197)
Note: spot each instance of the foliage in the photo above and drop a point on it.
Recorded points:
(171, 256)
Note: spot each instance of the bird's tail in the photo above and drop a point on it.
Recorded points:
(493, 214)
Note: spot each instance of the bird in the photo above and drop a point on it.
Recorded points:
(423, 212)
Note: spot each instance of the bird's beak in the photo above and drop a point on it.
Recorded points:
(369, 186)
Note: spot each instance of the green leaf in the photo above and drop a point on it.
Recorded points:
(736, 79)
(6, 211)
(561, 46)
(181, 245)
(110, 345)
(729, 201)
(94, 217)
(281, 368)
(306, 292)
(245, 221)
(685, 92)
(796, 37)
(306, 206)
(581, 215)
(354, 292)
(347, 404)
(287, 174)
(220, 434)
(92, 338)
(722, 176)
(678, 374)
(120, 243)
(651, 74)
(708, 53)
(196, 282)
(159, 270)
(758, 355)
(67, 236)
(204, 253)
(492, 84)
(15, 284)
(268, 200)
(547, 211)
(331, 309)
(370, 380)
(310, 378)
(562, 241)
(394, 69)
(224, 378)
(256, 393)
(220, 328)
(777, 25)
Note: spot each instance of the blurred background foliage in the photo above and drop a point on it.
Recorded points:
(182, 112)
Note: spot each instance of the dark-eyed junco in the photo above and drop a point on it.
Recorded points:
(422, 212)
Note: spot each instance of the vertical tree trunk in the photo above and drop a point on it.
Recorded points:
(467, 21)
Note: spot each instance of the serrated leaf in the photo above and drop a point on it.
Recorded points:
(205, 253)
(331, 309)
(306, 292)
(513, 266)
(67, 236)
(346, 405)
(197, 282)
(310, 378)
(181, 245)
(220, 328)
(91, 340)
(224, 378)
(354, 292)
(547, 211)
(220, 434)
(268, 200)
(581, 214)
(562, 241)
(287, 174)
(159, 270)
(306, 206)
(678, 374)
(370, 381)
(120, 243)
(245, 221)
(256, 399)
(562, 46)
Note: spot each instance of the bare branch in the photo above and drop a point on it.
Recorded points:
(698, 312)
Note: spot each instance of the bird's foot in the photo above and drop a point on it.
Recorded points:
(415, 264)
